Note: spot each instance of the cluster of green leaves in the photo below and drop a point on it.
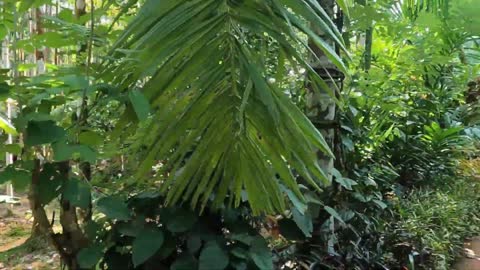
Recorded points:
(138, 233)
(403, 123)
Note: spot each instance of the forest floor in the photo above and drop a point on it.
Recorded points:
(16, 253)
(471, 260)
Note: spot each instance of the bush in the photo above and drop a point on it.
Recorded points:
(139, 233)
(432, 223)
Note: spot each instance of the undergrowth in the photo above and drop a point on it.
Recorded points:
(432, 223)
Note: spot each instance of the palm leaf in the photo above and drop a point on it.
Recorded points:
(227, 134)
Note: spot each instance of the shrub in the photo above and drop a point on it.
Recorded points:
(432, 223)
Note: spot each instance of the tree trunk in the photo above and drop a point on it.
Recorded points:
(321, 108)
(37, 29)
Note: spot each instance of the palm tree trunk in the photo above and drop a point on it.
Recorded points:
(321, 108)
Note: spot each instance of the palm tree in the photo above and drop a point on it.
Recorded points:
(321, 105)
(213, 103)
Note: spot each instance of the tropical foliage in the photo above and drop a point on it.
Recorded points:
(176, 134)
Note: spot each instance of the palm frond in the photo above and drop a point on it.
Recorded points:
(226, 132)
(412, 8)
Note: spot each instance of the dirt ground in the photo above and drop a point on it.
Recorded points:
(471, 261)
(15, 252)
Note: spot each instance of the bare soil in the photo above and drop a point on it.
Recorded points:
(16, 253)
(471, 259)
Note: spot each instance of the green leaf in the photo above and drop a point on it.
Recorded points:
(114, 208)
(89, 257)
(4, 87)
(185, 262)
(169, 246)
(90, 138)
(64, 151)
(77, 192)
(7, 126)
(213, 257)
(261, 254)
(19, 178)
(380, 204)
(239, 253)
(43, 132)
(3, 31)
(297, 203)
(92, 229)
(53, 39)
(304, 222)
(75, 81)
(334, 214)
(25, 5)
(343, 4)
(50, 184)
(147, 243)
(12, 148)
(181, 220)
(347, 183)
(194, 243)
(290, 230)
(140, 104)
(240, 265)
(243, 238)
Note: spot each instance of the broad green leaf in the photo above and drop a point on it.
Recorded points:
(334, 214)
(181, 220)
(243, 238)
(4, 87)
(92, 229)
(261, 254)
(300, 206)
(90, 138)
(194, 243)
(12, 148)
(213, 257)
(114, 208)
(89, 257)
(303, 221)
(290, 230)
(75, 81)
(77, 192)
(146, 244)
(346, 183)
(43, 132)
(185, 262)
(239, 253)
(64, 151)
(19, 178)
(380, 204)
(50, 184)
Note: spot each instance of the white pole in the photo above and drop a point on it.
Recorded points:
(9, 156)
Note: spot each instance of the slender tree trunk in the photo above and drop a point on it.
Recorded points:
(37, 29)
(321, 108)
